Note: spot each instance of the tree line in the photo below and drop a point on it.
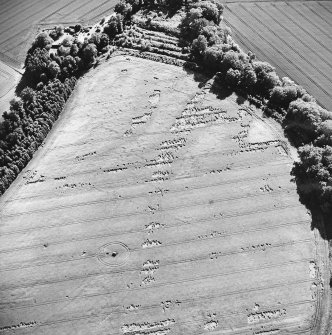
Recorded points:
(308, 125)
(46, 85)
(50, 78)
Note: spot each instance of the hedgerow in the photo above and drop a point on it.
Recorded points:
(43, 91)
(308, 125)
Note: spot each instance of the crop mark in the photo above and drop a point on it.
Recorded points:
(189, 122)
(32, 177)
(230, 215)
(153, 226)
(149, 267)
(159, 176)
(213, 234)
(266, 315)
(152, 209)
(176, 144)
(169, 304)
(211, 325)
(155, 243)
(159, 191)
(60, 178)
(19, 326)
(73, 185)
(257, 247)
(151, 243)
(148, 328)
(154, 98)
(266, 188)
(216, 275)
(206, 155)
(97, 315)
(83, 157)
(116, 169)
(132, 308)
(313, 271)
(165, 158)
(273, 331)
(148, 280)
(238, 167)
(113, 254)
(141, 119)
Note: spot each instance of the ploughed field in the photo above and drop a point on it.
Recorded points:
(157, 207)
(293, 36)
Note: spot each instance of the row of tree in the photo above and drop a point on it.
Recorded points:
(50, 78)
(46, 85)
(27, 123)
(308, 125)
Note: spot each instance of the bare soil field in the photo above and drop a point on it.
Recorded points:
(158, 207)
(293, 36)
(21, 20)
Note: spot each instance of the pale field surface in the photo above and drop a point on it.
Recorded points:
(156, 207)
(293, 36)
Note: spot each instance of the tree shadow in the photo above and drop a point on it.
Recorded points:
(309, 197)
(220, 91)
(320, 220)
(240, 99)
(198, 76)
(25, 81)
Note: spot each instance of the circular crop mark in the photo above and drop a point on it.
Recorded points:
(113, 254)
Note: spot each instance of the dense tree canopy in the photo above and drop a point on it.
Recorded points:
(52, 77)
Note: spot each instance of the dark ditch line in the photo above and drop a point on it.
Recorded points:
(139, 164)
(157, 246)
(232, 293)
(119, 233)
(272, 195)
(138, 268)
(239, 167)
(142, 213)
(145, 194)
(199, 320)
(153, 286)
(96, 274)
